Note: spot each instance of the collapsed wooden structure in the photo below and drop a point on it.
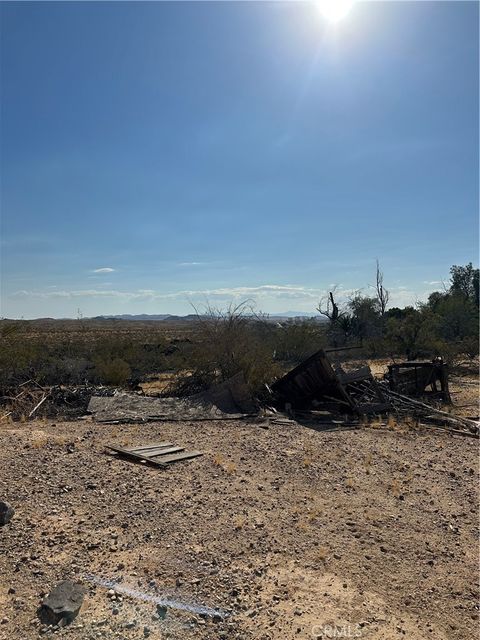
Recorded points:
(314, 383)
(420, 379)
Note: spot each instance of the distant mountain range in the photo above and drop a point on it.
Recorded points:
(174, 318)
(168, 317)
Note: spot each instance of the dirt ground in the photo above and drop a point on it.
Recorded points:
(281, 532)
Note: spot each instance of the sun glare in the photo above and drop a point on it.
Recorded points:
(334, 10)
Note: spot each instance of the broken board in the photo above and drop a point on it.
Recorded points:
(161, 454)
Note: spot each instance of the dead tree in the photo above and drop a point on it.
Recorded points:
(329, 308)
(382, 293)
(339, 321)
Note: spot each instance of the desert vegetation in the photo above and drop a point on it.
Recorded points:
(218, 343)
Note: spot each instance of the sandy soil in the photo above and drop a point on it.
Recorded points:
(293, 532)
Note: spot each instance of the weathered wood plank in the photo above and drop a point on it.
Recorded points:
(150, 446)
(181, 456)
(154, 453)
(346, 377)
(136, 456)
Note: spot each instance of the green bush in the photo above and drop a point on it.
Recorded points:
(114, 372)
(226, 342)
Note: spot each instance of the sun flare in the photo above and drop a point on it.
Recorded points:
(334, 10)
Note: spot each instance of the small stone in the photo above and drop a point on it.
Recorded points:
(130, 625)
(161, 611)
(6, 512)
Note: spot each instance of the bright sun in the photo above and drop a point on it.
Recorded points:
(334, 10)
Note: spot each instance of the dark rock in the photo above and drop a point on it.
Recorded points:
(161, 611)
(6, 512)
(62, 604)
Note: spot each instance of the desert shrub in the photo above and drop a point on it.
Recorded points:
(295, 341)
(113, 372)
(226, 342)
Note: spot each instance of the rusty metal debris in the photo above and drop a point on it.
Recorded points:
(314, 384)
(160, 455)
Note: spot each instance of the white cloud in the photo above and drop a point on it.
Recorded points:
(263, 291)
(191, 264)
(267, 294)
(104, 270)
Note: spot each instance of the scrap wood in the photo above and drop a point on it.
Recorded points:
(160, 455)
(132, 454)
(428, 412)
(126, 407)
(166, 418)
(314, 382)
(38, 405)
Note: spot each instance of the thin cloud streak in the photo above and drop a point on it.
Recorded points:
(289, 291)
(307, 295)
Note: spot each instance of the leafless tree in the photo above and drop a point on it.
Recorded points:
(382, 294)
(329, 308)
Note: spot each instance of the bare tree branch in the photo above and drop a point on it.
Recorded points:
(383, 295)
(329, 308)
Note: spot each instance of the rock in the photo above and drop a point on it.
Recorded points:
(130, 625)
(6, 512)
(62, 604)
(161, 611)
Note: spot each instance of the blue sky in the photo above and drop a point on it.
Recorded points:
(158, 154)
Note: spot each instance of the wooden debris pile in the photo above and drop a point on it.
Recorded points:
(129, 408)
(314, 384)
(427, 415)
(314, 390)
(31, 400)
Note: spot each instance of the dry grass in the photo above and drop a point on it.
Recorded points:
(39, 439)
(239, 522)
(395, 488)
(322, 554)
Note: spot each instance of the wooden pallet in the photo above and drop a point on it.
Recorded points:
(161, 454)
